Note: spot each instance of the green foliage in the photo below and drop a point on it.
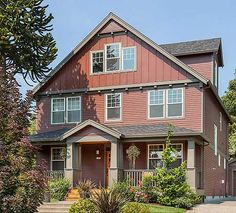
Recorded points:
(133, 207)
(82, 206)
(171, 185)
(229, 100)
(125, 189)
(132, 153)
(32, 127)
(59, 188)
(85, 188)
(26, 44)
(22, 182)
(148, 189)
(108, 201)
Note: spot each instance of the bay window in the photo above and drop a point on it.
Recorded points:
(113, 106)
(175, 102)
(156, 104)
(57, 160)
(58, 110)
(73, 110)
(113, 52)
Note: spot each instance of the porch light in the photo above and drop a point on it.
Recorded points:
(97, 152)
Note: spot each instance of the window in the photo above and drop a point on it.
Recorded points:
(129, 58)
(58, 110)
(215, 138)
(73, 110)
(178, 155)
(113, 106)
(218, 159)
(97, 62)
(175, 102)
(57, 161)
(220, 121)
(154, 155)
(113, 56)
(156, 103)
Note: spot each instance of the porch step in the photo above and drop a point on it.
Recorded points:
(58, 207)
(73, 195)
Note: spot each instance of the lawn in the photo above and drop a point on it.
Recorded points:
(165, 209)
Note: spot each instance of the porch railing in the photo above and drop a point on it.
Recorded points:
(135, 176)
(55, 174)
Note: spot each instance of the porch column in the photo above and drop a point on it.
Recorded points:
(191, 169)
(115, 162)
(73, 163)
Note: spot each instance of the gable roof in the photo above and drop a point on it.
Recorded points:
(195, 47)
(109, 17)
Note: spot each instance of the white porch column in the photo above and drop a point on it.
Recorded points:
(191, 169)
(114, 166)
(73, 162)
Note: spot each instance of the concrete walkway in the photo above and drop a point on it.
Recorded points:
(222, 205)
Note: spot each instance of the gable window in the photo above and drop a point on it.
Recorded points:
(57, 161)
(175, 102)
(128, 54)
(154, 155)
(113, 106)
(215, 138)
(73, 110)
(97, 61)
(113, 56)
(58, 110)
(156, 103)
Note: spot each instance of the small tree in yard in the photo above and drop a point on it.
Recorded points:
(172, 187)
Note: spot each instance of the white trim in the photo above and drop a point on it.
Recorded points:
(219, 160)
(164, 108)
(113, 120)
(73, 110)
(183, 101)
(225, 163)
(58, 147)
(215, 139)
(221, 124)
(135, 58)
(105, 56)
(91, 61)
(58, 111)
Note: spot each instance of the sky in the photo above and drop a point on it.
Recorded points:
(163, 21)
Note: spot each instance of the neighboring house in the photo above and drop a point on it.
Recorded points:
(118, 88)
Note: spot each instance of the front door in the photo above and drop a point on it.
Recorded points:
(108, 163)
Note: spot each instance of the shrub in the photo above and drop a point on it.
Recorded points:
(85, 188)
(125, 189)
(82, 206)
(59, 188)
(147, 188)
(133, 207)
(141, 197)
(108, 201)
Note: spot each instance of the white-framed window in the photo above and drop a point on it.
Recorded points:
(218, 159)
(58, 110)
(113, 107)
(154, 155)
(220, 121)
(179, 154)
(97, 61)
(113, 56)
(74, 109)
(156, 104)
(128, 58)
(175, 102)
(57, 160)
(215, 138)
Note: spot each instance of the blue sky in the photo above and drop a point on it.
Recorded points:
(164, 21)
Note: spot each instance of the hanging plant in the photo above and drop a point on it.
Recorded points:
(132, 153)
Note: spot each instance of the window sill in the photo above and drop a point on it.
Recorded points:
(111, 72)
(167, 118)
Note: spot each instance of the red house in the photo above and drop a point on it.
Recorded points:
(118, 88)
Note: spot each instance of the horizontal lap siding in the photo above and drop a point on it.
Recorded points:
(134, 110)
(151, 67)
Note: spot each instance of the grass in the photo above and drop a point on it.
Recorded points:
(164, 209)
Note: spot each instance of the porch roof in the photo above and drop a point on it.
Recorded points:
(130, 131)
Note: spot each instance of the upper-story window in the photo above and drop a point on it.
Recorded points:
(165, 103)
(129, 57)
(73, 110)
(175, 102)
(97, 62)
(113, 107)
(58, 110)
(113, 58)
(66, 110)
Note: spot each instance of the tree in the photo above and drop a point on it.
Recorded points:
(26, 44)
(171, 183)
(22, 182)
(133, 152)
(229, 100)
